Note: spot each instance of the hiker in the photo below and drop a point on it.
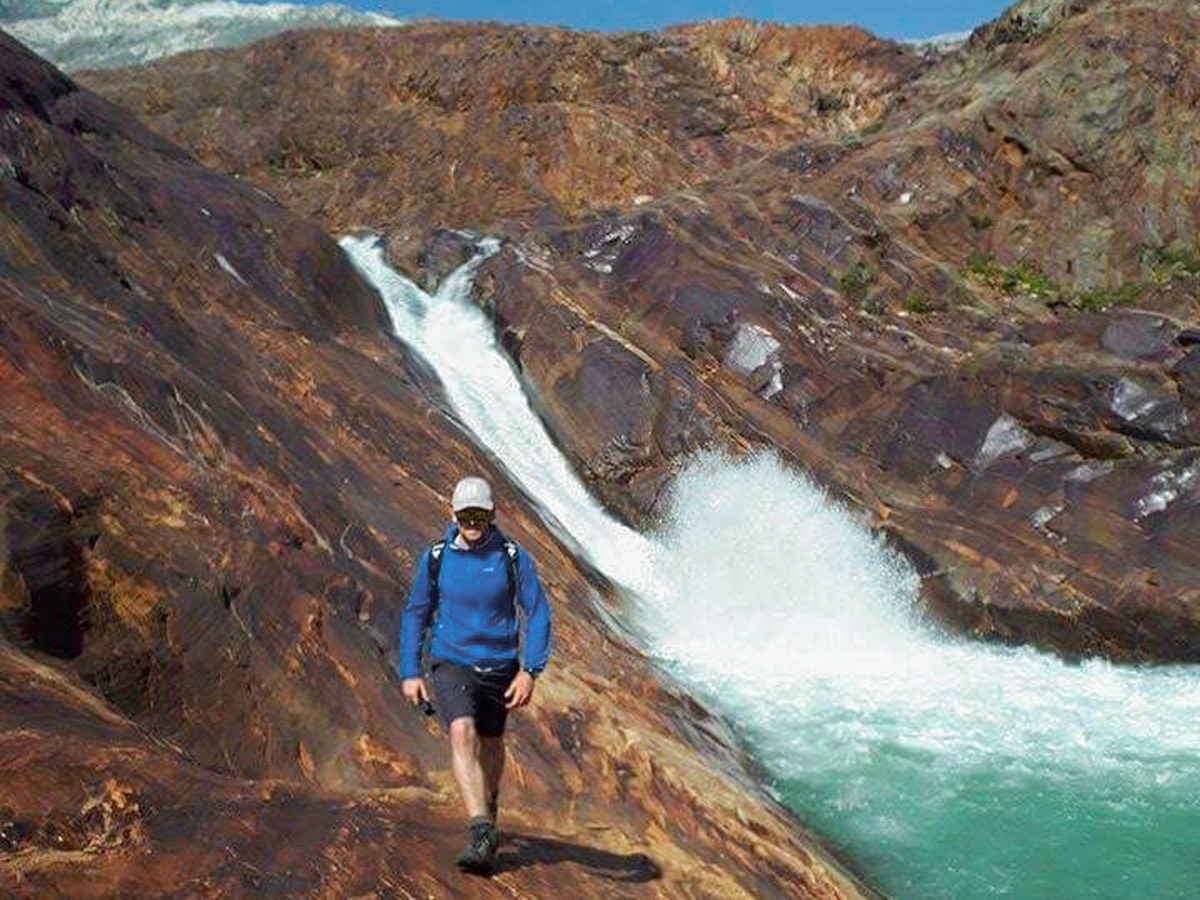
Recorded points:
(469, 587)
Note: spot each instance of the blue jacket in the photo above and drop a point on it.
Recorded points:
(475, 619)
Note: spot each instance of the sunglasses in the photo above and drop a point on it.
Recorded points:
(473, 517)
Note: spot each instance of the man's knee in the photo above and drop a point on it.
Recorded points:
(464, 739)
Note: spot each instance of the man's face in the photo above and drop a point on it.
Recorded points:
(472, 523)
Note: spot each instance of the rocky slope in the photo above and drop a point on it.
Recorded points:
(471, 124)
(215, 473)
(961, 292)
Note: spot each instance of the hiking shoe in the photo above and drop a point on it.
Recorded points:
(479, 856)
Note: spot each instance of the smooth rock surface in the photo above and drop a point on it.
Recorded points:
(215, 473)
(962, 256)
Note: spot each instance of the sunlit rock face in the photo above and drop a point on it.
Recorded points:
(440, 125)
(998, 235)
(104, 34)
(216, 471)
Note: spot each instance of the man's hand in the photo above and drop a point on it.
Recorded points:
(519, 690)
(414, 690)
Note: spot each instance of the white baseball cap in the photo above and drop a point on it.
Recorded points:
(472, 492)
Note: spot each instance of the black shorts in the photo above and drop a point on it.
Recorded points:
(460, 691)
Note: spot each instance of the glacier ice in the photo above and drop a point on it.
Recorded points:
(104, 34)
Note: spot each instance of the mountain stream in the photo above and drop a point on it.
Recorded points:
(948, 769)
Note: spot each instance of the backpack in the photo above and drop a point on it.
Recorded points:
(435, 568)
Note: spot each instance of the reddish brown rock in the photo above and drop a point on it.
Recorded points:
(919, 312)
(464, 125)
(215, 473)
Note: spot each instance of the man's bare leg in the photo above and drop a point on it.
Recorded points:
(468, 770)
(491, 758)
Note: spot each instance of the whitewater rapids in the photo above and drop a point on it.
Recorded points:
(949, 768)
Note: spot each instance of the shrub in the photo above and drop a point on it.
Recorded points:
(857, 279)
(1019, 278)
(1167, 263)
(1100, 299)
(827, 103)
(873, 305)
(918, 303)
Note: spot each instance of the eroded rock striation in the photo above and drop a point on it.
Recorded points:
(215, 472)
(961, 292)
(439, 125)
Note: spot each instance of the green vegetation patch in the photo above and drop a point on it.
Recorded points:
(1099, 299)
(857, 280)
(1018, 278)
(828, 103)
(874, 304)
(1027, 279)
(918, 303)
(1167, 263)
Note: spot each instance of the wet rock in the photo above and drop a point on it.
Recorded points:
(428, 260)
(212, 493)
(914, 327)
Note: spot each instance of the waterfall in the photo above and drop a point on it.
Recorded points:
(951, 769)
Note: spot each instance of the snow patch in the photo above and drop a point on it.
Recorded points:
(601, 256)
(533, 258)
(943, 43)
(775, 385)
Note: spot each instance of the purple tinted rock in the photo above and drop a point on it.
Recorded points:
(1138, 336)
(1187, 373)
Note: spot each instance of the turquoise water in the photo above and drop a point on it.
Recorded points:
(949, 770)
(1006, 830)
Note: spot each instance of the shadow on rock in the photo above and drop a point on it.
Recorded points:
(521, 850)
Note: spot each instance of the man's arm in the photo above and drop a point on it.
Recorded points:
(414, 621)
(532, 600)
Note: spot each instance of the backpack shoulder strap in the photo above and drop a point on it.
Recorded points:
(435, 567)
(510, 562)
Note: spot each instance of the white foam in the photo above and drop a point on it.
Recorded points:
(771, 601)
(457, 338)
